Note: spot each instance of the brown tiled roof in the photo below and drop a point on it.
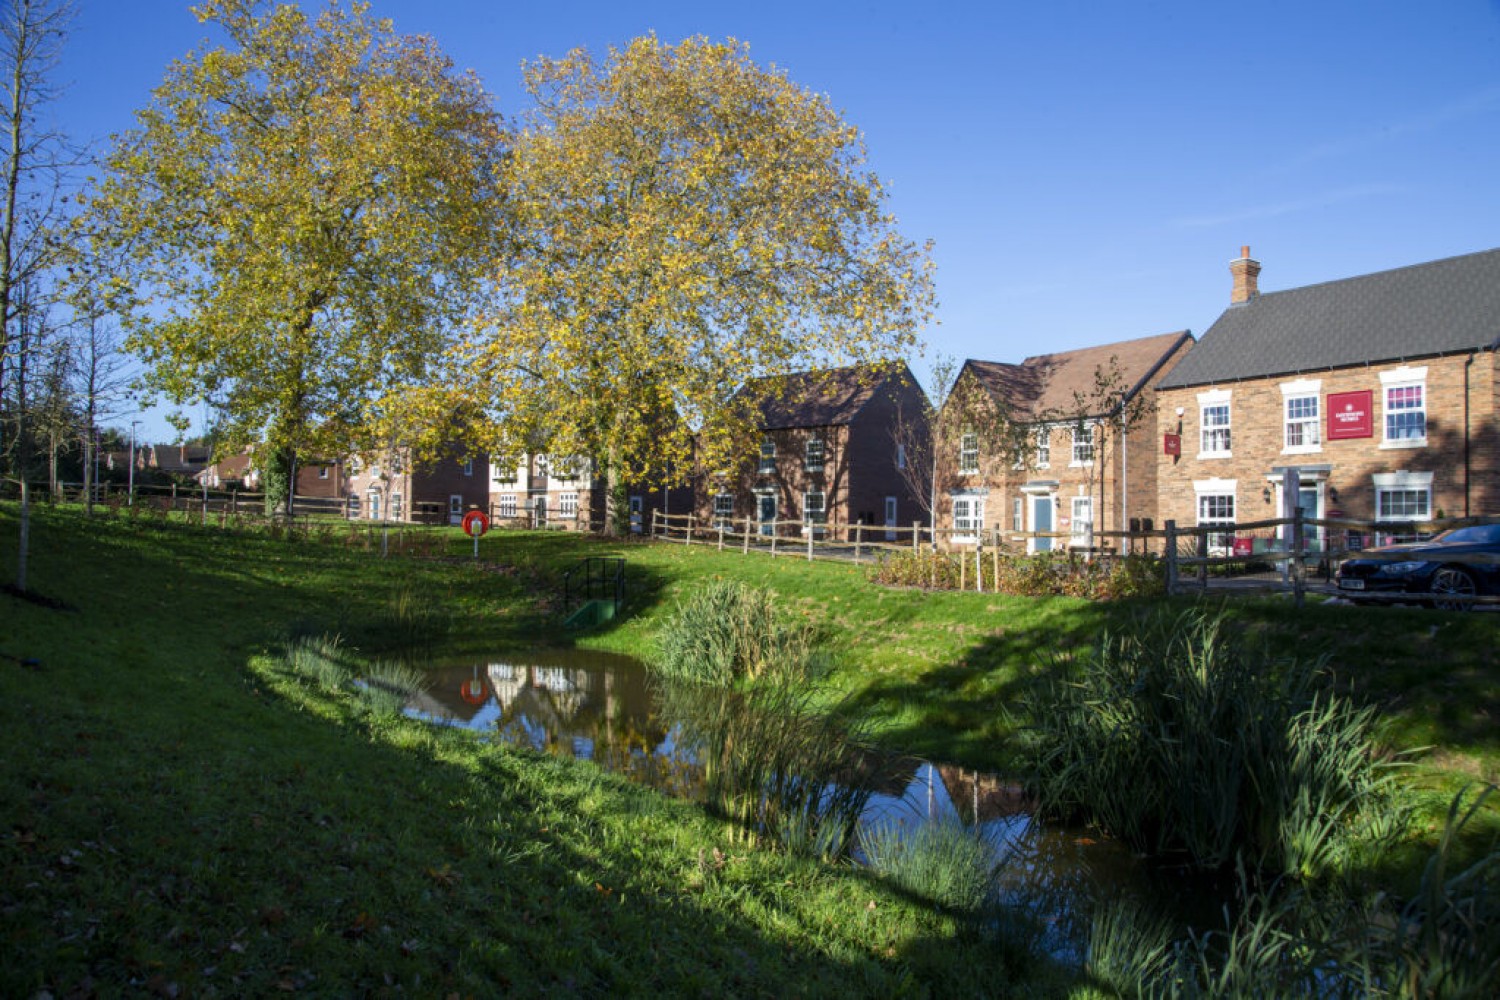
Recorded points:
(825, 398)
(1050, 383)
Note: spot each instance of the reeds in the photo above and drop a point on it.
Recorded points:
(726, 631)
(383, 687)
(941, 860)
(1179, 738)
(779, 768)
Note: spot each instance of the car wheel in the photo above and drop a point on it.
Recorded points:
(1453, 580)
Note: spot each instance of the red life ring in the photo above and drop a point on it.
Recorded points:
(474, 692)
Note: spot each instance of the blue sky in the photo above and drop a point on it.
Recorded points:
(1086, 170)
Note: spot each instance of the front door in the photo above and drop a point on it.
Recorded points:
(455, 508)
(765, 511)
(1041, 524)
(636, 506)
(539, 507)
(1310, 501)
(890, 519)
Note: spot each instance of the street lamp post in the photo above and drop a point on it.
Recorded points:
(133, 425)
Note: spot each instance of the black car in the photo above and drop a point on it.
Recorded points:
(1464, 562)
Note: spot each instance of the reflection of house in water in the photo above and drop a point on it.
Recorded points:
(577, 703)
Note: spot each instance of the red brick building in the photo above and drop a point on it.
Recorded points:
(1077, 452)
(827, 458)
(1380, 391)
(435, 491)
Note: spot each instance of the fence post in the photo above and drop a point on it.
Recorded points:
(1170, 544)
(1203, 561)
(858, 538)
(746, 550)
(916, 537)
(773, 539)
(979, 562)
(655, 512)
(691, 519)
(963, 570)
(995, 558)
(721, 536)
(1299, 560)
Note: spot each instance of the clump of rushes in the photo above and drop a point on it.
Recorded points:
(388, 685)
(726, 631)
(776, 765)
(319, 658)
(1181, 739)
(941, 860)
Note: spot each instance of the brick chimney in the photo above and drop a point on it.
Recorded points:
(1246, 272)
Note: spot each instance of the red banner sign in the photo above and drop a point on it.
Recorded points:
(1351, 415)
(1171, 444)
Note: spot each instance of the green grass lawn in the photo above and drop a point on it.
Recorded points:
(177, 811)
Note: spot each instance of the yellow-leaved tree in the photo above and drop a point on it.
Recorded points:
(299, 220)
(686, 222)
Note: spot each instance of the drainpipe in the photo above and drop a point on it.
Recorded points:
(1124, 475)
(1468, 366)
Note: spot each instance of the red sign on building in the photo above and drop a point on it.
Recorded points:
(1351, 415)
(1171, 444)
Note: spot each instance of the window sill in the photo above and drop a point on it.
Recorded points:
(1081, 465)
(1302, 449)
(1204, 456)
(1403, 443)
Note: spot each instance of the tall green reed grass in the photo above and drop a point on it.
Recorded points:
(1180, 738)
(727, 631)
(382, 687)
(1299, 939)
(944, 861)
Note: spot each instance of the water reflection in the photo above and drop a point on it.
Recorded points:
(599, 706)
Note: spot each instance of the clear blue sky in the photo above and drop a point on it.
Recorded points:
(1087, 170)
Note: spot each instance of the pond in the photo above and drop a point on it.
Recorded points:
(599, 707)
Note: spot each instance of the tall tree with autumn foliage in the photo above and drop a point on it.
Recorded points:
(686, 222)
(299, 220)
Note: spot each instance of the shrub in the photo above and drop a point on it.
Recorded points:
(1178, 738)
(727, 631)
(1042, 574)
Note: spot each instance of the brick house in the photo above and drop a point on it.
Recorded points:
(1058, 461)
(433, 491)
(319, 479)
(538, 490)
(541, 490)
(1379, 391)
(827, 457)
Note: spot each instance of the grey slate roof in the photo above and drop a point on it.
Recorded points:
(1441, 307)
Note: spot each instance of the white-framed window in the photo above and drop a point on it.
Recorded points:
(1214, 424)
(373, 498)
(355, 465)
(566, 467)
(1215, 498)
(814, 510)
(900, 456)
(352, 506)
(1302, 414)
(1043, 447)
(567, 504)
(1082, 521)
(1403, 496)
(1083, 444)
(395, 506)
(968, 453)
(1405, 394)
(322, 472)
(468, 466)
(767, 457)
(542, 465)
(813, 458)
(508, 505)
(968, 518)
(1018, 514)
(723, 509)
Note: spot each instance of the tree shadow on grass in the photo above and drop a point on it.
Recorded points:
(184, 817)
